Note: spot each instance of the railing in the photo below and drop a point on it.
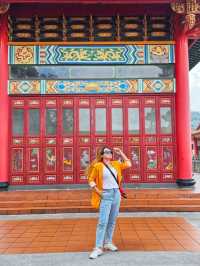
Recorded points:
(196, 166)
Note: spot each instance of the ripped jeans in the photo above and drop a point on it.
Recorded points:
(108, 212)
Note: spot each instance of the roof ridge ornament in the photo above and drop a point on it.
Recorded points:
(4, 8)
(189, 8)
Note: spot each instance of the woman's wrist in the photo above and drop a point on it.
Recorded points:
(98, 191)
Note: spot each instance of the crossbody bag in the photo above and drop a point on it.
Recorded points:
(123, 194)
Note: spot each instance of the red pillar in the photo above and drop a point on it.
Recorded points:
(183, 125)
(3, 102)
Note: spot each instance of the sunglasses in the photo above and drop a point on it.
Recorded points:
(106, 151)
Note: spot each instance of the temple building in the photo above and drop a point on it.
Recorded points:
(78, 75)
(196, 143)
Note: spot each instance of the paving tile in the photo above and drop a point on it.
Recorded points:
(14, 250)
(190, 245)
(63, 235)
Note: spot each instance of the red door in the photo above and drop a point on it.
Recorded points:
(53, 139)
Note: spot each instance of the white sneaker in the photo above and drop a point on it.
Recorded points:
(95, 253)
(110, 246)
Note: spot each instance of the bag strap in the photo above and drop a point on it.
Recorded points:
(111, 173)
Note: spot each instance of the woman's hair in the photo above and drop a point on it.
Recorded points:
(98, 158)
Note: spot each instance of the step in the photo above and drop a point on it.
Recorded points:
(85, 194)
(82, 209)
(77, 203)
(78, 200)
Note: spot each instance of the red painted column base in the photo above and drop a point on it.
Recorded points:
(186, 182)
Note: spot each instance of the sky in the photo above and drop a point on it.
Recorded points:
(194, 77)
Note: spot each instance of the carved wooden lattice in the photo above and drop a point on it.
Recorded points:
(90, 28)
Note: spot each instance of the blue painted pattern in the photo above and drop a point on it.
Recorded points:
(101, 55)
(90, 86)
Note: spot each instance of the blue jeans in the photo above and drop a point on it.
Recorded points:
(108, 212)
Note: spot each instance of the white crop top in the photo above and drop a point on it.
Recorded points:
(108, 179)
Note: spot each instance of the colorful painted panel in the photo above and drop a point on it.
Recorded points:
(17, 160)
(165, 120)
(84, 158)
(135, 157)
(108, 54)
(159, 54)
(167, 157)
(33, 160)
(127, 54)
(23, 55)
(90, 86)
(67, 159)
(151, 157)
(50, 159)
(158, 85)
(24, 87)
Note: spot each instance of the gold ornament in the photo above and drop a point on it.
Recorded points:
(4, 8)
(188, 7)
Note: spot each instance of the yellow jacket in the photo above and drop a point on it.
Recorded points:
(95, 178)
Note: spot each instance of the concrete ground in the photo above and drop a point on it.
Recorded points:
(108, 259)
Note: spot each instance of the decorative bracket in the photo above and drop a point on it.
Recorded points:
(4, 8)
(188, 8)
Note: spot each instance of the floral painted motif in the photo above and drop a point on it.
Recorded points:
(67, 159)
(34, 160)
(24, 55)
(168, 159)
(17, 160)
(50, 159)
(135, 158)
(151, 158)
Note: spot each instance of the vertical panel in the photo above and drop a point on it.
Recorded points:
(67, 121)
(50, 159)
(133, 120)
(100, 121)
(17, 160)
(165, 120)
(51, 121)
(84, 121)
(67, 159)
(117, 121)
(34, 122)
(34, 158)
(150, 120)
(17, 122)
(135, 158)
(68, 139)
(151, 158)
(167, 159)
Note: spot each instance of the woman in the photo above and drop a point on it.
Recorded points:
(106, 195)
